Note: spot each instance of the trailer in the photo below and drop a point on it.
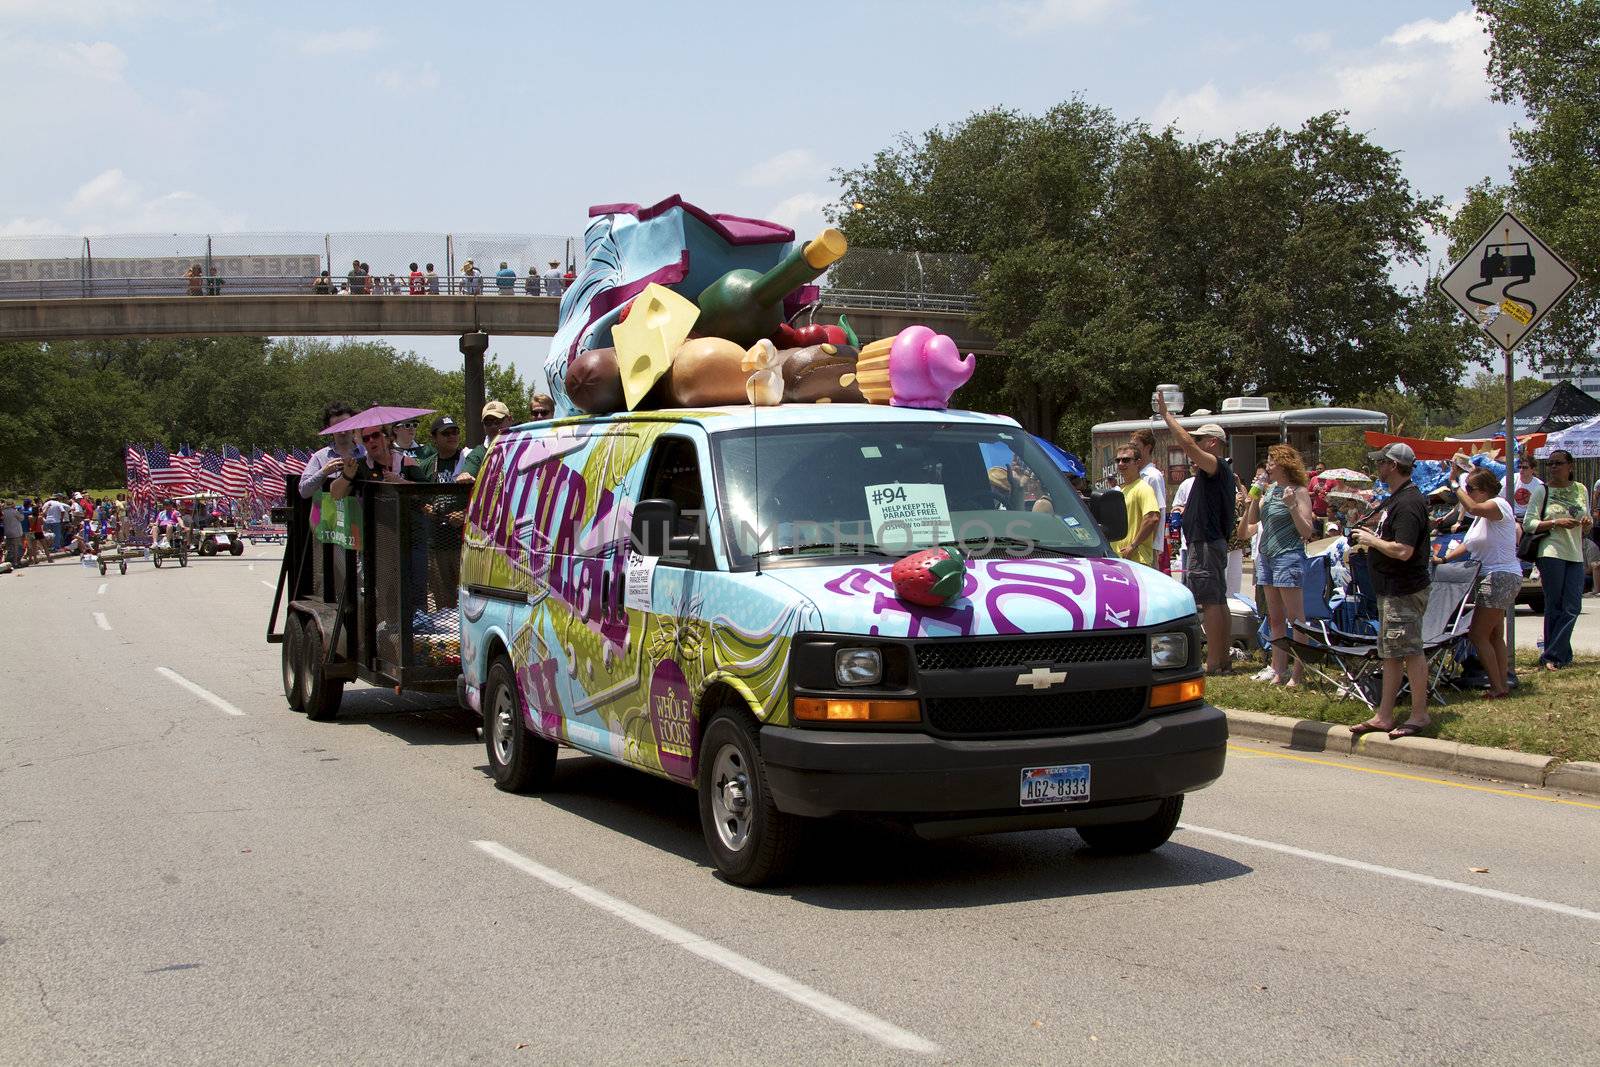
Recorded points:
(368, 592)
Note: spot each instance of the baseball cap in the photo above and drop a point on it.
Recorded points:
(1399, 452)
(443, 423)
(495, 409)
(1211, 429)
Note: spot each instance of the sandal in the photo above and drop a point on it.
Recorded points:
(1370, 727)
(1409, 729)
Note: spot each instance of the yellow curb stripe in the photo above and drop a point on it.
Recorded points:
(1232, 747)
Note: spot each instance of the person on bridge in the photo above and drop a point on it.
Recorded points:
(506, 279)
(552, 279)
(472, 278)
(531, 286)
(418, 283)
(433, 281)
(323, 286)
(196, 278)
(357, 280)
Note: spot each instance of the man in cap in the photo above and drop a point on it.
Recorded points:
(439, 460)
(1399, 563)
(1207, 525)
(552, 279)
(495, 417)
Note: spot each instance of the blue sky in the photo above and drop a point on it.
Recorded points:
(130, 116)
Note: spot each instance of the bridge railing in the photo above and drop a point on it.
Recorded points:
(120, 266)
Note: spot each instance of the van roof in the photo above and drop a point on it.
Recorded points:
(743, 416)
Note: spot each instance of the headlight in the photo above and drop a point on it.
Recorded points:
(1169, 650)
(858, 666)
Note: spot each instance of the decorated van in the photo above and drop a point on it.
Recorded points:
(809, 610)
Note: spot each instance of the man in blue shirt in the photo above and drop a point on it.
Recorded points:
(506, 279)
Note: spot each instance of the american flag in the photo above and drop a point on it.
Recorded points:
(209, 473)
(141, 493)
(266, 476)
(294, 461)
(167, 478)
(235, 473)
(185, 461)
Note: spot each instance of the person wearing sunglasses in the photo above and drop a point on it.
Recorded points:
(496, 416)
(405, 439)
(381, 463)
(540, 407)
(1144, 514)
(1559, 512)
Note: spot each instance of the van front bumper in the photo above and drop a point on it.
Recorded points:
(819, 772)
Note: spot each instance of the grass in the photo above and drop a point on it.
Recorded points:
(1551, 714)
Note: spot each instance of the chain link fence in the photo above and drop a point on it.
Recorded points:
(123, 265)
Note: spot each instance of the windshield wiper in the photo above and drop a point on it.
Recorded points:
(839, 549)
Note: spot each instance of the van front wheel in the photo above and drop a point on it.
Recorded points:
(1125, 838)
(751, 841)
(520, 761)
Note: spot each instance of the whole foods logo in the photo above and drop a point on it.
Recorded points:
(672, 720)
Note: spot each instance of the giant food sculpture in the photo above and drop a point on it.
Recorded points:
(677, 307)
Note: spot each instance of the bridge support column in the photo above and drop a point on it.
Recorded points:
(473, 346)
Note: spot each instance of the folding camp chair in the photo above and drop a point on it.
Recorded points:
(1349, 662)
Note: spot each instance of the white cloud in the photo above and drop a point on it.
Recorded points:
(420, 79)
(801, 212)
(111, 202)
(1422, 68)
(1030, 16)
(791, 165)
(340, 42)
(1317, 41)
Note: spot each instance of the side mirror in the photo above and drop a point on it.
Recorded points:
(652, 526)
(1108, 509)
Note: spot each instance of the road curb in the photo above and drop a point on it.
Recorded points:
(1455, 757)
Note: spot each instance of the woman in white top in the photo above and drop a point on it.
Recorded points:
(1492, 540)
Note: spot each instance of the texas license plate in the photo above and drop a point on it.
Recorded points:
(1065, 784)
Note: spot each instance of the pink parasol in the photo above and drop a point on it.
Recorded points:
(377, 415)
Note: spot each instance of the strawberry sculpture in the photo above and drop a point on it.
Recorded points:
(931, 578)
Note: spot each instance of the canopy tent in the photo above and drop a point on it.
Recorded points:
(1582, 440)
(1559, 408)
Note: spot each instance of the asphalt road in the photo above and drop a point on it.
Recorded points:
(193, 874)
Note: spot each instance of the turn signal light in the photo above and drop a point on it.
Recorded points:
(827, 709)
(1170, 693)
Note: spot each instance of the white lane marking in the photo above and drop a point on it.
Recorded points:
(268, 584)
(101, 621)
(1395, 872)
(251, 567)
(101, 591)
(878, 1029)
(204, 694)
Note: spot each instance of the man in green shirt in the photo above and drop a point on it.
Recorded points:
(495, 417)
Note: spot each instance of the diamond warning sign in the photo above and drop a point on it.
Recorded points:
(1508, 281)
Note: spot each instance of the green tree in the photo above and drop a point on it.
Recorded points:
(1544, 56)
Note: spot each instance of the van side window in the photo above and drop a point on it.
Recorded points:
(674, 475)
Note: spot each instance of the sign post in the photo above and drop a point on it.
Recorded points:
(1506, 283)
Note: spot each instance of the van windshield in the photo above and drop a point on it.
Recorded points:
(889, 489)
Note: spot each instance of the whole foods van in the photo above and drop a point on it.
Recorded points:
(712, 596)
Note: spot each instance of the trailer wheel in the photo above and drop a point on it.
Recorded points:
(294, 685)
(122, 566)
(751, 841)
(323, 694)
(519, 760)
(236, 548)
(102, 568)
(1123, 838)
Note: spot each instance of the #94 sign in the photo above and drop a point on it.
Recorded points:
(910, 508)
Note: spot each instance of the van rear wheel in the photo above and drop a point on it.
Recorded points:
(1144, 835)
(520, 761)
(751, 841)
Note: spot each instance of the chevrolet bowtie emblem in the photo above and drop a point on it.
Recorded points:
(1039, 678)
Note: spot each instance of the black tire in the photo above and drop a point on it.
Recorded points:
(236, 548)
(122, 566)
(208, 547)
(323, 694)
(520, 761)
(751, 841)
(1124, 838)
(155, 557)
(183, 555)
(294, 679)
(102, 568)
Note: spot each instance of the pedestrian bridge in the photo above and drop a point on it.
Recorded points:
(136, 286)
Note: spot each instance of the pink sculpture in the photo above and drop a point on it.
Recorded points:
(925, 368)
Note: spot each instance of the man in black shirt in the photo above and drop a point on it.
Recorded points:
(1399, 559)
(1207, 525)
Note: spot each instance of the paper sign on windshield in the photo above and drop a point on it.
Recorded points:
(910, 509)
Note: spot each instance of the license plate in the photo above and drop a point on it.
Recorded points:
(222, 539)
(1066, 784)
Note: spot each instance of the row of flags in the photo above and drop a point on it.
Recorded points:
(155, 473)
